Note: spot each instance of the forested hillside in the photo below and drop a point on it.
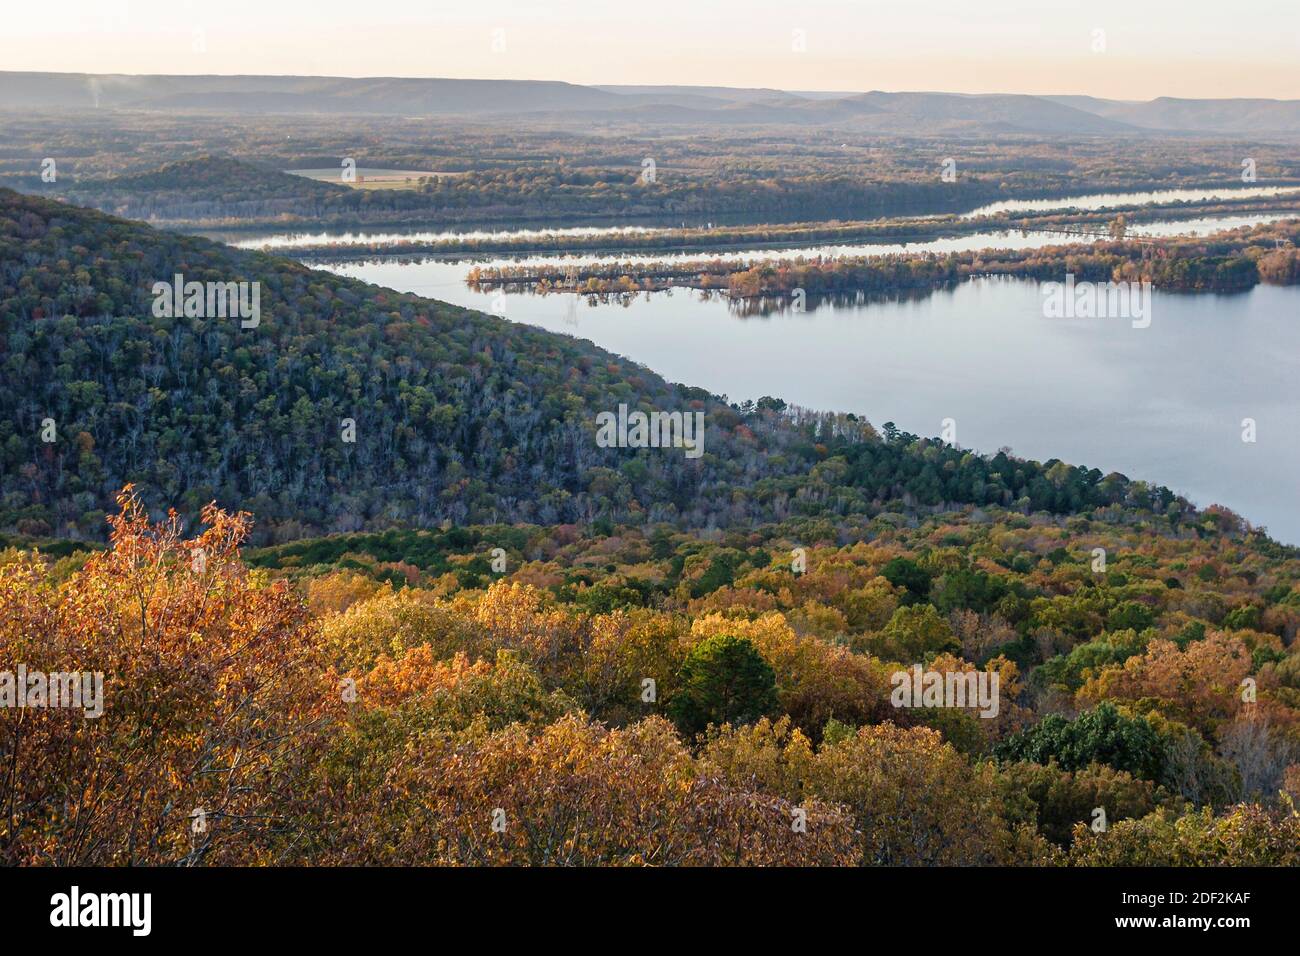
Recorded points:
(217, 189)
(209, 187)
(456, 415)
(650, 697)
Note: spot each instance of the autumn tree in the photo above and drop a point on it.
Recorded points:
(211, 712)
(578, 794)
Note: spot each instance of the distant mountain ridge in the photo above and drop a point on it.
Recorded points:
(1172, 113)
(905, 112)
(254, 94)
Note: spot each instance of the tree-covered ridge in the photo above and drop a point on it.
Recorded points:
(205, 186)
(458, 416)
(545, 712)
(214, 188)
(1232, 260)
(609, 565)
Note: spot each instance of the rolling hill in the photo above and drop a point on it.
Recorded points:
(294, 94)
(568, 103)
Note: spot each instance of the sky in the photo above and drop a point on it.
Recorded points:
(1122, 49)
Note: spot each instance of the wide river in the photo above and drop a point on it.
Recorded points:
(1164, 403)
(287, 241)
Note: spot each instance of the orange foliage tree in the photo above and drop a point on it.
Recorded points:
(577, 793)
(210, 702)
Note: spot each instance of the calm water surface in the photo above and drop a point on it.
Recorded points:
(1093, 201)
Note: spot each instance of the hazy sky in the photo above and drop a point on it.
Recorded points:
(1149, 47)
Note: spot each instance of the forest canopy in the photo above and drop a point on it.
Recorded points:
(656, 699)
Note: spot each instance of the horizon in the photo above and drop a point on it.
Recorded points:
(606, 85)
(1196, 50)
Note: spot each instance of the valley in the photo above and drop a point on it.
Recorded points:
(467, 472)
